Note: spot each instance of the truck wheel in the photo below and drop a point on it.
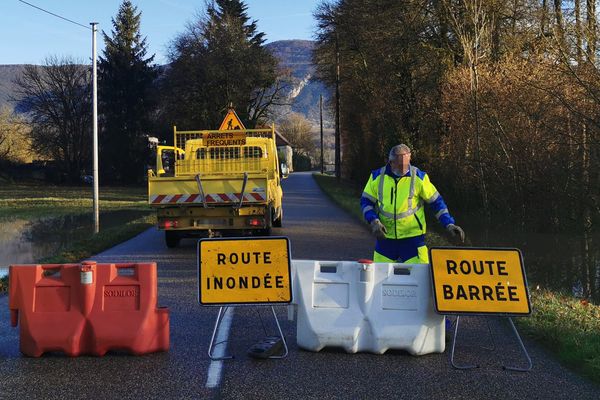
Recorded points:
(267, 230)
(172, 239)
(277, 221)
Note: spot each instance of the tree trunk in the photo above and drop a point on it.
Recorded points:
(578, 33)
(591, 31)
(475, 97)
(586, 214)
(544, 18)
(338, 155)
(559, 29)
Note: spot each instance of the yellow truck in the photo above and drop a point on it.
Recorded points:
(217, 182)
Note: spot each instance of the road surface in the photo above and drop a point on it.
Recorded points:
(318, 230)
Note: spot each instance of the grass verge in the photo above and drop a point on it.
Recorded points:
(567, 327)
(30, 201)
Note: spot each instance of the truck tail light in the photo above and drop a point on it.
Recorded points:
(168, 224)
(256, 221)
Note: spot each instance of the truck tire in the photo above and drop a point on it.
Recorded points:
(277, 221)
(267, 230)
(172, 239)
(269, 221)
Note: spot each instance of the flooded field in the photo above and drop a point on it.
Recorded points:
(25, 241)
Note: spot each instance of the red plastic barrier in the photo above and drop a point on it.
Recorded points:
(87, 309)
(44, 299)
(125, 314)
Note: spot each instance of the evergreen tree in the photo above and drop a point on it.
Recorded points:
(126, 79)
(220, 60)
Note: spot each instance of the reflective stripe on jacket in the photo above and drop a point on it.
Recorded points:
(398, 202)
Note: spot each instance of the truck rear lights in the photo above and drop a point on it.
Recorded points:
(256, 221)
(168, 224)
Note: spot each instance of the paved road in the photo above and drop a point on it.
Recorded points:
(317, 230)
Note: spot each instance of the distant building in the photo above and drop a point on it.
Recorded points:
(284, 150)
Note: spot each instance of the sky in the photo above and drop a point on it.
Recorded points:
(28, 35)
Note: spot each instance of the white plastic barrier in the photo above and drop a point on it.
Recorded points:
(366, 307)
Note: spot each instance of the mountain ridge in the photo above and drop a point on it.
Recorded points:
(294, 55)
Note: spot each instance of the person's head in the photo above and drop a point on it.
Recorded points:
(399, 158)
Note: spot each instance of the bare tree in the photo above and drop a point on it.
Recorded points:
(578, 31)
(14, 146)
(58, 98)
(472, 31)
(297, 130)
(592, 34)
(560, 24)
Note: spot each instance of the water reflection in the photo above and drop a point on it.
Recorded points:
(25, 241)
(565, 262)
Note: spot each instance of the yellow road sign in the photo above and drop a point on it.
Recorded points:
(231, 122)
(224, 139)
(244, 271)
(479, 281)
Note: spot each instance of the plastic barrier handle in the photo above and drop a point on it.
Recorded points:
(129, 269)
(14, 317)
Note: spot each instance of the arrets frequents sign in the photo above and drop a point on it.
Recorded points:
(244, 271)
(224, 139)
(479, 281)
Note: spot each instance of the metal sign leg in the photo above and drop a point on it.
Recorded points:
(285, 348)
(529, 363)
(453, 345)
(489, 328)
(220, 316)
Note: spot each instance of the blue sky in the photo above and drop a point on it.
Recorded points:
(28, 35)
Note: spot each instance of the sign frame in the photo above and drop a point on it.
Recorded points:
(249, 303)
(481, 313)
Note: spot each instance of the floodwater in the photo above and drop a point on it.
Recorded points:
(561, 262)
(25, 241)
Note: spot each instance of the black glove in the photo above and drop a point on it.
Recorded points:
(455, 231)
(378, 229)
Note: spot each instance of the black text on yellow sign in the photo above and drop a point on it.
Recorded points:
(225, 139)
(244, 271)
(479, 281)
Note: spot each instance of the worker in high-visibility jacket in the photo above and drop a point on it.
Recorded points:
(392, 203)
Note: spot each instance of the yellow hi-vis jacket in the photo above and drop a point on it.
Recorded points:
(398, 202)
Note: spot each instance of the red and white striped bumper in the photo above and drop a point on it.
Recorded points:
(220, 198)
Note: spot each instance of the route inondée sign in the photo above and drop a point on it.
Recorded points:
(244, 271)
